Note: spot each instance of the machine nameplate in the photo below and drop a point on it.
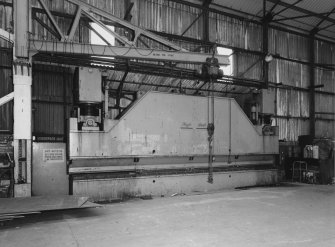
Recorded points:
(48, 138)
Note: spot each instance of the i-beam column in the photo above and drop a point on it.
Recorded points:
(266, 19)
(312, 84)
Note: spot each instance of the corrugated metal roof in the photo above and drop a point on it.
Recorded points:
(316, 5)
(252, 7)
(287, 9)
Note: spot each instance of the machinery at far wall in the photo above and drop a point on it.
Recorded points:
(159, 144)
(88, 96)
(6, 166)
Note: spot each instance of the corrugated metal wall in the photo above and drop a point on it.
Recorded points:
(62, 6)
(166, 16)
(237, 33)
(6, 15)
(234, 32)
(325, 103)
(288, 45)
(292, 105)
(6, 87)
(6, 80)
(113, 6)
(52, 98)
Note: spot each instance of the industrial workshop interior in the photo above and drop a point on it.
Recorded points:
(167, 123)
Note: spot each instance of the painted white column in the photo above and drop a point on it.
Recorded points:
(22, 106)
(22, 130)
(22, 80)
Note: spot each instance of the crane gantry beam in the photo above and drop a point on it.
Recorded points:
(66, 45)
(132, 52)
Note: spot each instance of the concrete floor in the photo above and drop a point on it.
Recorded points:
(290, 215)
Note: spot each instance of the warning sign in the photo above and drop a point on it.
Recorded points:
(54, 155)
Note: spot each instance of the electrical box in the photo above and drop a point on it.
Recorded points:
(88, 83)
(268, 101)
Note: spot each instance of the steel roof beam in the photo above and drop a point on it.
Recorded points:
(326, 27)
(297, 17)
(216, 11)
(75, 23)
(52, 20)
(288, 6)
(301, 10)
(194, 21)
(49, 29)
(316, 28)
(137, 30)
(206, 2)
(127, 15)
(97, 33)
(103, 26)
(274, 6)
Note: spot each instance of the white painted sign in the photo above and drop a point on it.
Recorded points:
(53, 155)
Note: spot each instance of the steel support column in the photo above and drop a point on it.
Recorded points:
(128, 7)
(205, 13)
(312, 84)
(119, 91)
(22, 79)
(266, 19)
